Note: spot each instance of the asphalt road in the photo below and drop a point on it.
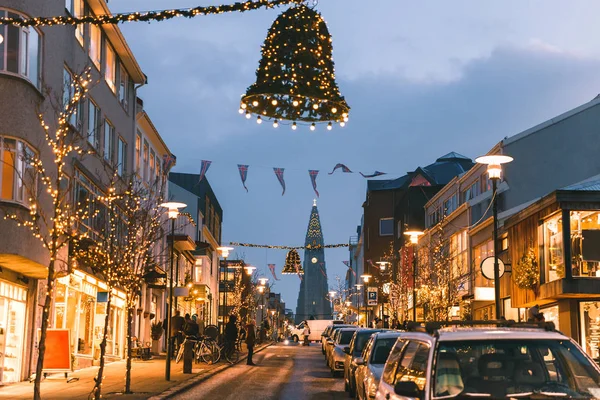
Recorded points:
(282, 372)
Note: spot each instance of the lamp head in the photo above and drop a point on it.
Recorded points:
(366, 277)
(263, 281)
(173, 208)
(414, 236)
(261, 289)
(382, 265)
(332, 293)
(249, 269)
(224, 250)
(494, 163)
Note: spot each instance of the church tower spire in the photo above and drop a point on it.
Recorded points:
(312, 298)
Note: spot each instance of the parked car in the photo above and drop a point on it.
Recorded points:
(331, 341)
(336, 357)
(317, 326)
(352, 352)
(327, 332)
(519, 362)
(370, 364)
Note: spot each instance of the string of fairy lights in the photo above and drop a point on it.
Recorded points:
(147, 16)
(307, 247)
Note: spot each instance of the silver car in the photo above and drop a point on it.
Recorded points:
(352, 353)
(336, 358)
(370, 365)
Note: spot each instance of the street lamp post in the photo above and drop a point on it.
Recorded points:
(365, 278)
(173, 213)
(494, 170)
(332, 294)
(358, 300)
(224, 250)
(414, 240)
(382, 267)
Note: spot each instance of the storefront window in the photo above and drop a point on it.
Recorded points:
(12, 331)
(589, 312)
(551, 314)
(74, 310)
(585, 243)
(480, 253)
(554, 267)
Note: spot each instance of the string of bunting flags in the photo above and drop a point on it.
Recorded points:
(313, 173)
(308, 246)
(160, 15)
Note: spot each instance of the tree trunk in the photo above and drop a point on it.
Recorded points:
(99, 377)
(42, 344)
(128, 364)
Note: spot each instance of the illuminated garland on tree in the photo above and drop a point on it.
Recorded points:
(526, 273)
(145, 16)
(307, 247)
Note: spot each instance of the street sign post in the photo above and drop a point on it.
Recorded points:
(372, 296)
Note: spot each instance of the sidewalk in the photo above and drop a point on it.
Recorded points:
(147, 381)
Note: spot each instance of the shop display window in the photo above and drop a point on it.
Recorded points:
(480, 253)
(589, 313)
(585, 243)
(551, 315)
(12, 331)
(554, 266)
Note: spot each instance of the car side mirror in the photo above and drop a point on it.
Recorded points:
(347, 350)
(407, 389)
(360, 361)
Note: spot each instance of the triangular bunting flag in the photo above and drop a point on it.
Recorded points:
(374, 174)
(313, 178)
(243, 174)
(203, 168)
(168, 162)
(279, 174)
(272, 269)
(342, 166)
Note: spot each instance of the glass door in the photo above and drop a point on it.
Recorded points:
(13, 340)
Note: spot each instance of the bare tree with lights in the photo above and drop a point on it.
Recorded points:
(52, 217)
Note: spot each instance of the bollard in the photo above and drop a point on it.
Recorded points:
(188, 357)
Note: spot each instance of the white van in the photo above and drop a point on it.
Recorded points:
(317, 326)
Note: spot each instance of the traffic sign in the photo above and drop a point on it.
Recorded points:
(372, 296)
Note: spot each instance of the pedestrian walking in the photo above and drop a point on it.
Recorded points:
(190, 328)
(306, 334)
(231, 333)
(177, 322)
(250, 340)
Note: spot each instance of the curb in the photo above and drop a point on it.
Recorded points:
(193, 381)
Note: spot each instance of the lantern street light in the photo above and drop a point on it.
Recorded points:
(263, 281)
(173, 213)
(494, 170)
(332, 294)
(224, 251)
(250, 269)
(382, 265)
(414, 240)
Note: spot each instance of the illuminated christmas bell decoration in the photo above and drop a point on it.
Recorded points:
(295, 79)
(293, 265)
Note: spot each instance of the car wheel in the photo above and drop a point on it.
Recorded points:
(295, 338)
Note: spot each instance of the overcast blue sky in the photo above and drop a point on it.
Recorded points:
(422, 78)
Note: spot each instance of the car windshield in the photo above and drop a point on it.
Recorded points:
(345, 337)
(514, 368)
(381, 350)
(361, 340)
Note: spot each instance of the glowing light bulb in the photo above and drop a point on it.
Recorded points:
(315, 106)
(345, 119)
(294, 126)
(295, 103)
(274, 102)
(241, 111)
(255, 103)
(248, 115)
(313, 126)
(329, 126)
(344, 115)
(243, 106)
(333, 110)
(275, 124)
(342, 124)
(259, 120)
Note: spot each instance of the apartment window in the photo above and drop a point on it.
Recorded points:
(471, 192)
(138, 151)
(110, 70)
(486, 182)
(93, 123)
(554, 265)
(20, 51)
(95, 49)
(458, 251)
(109, 133)
(386, 226)
(68, 92)
(152, 174)
(122, 157)
(450, 205)
(157, 168)
(17, 176)
(78, 12)
(145, 171)
(123, 87)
